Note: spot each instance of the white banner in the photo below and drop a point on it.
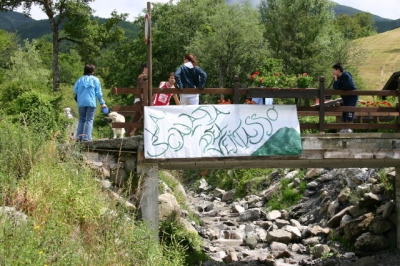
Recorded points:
(226, 130)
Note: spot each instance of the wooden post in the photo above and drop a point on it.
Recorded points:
(398, 106)
(149, 60)
(321, 104)
(236, 86)
(397, 185)
(149, 194)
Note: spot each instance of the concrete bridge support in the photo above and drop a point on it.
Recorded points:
(149, 194)
(398, 205)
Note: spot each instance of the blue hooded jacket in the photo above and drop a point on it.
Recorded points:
(88, 88)
(189, 76)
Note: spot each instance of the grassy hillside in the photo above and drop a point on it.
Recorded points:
(381, 60)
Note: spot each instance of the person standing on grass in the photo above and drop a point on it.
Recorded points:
(164, 98)
(87, 88)
(190, 75)
(342, 80)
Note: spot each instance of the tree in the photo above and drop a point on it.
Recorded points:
(298, 32)
(57, 12)
(8, 43)
(357, 26)
(75, 16)
(231, 43)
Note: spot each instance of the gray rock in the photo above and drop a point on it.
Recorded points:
(106, 183)
(188, 226)
(380, 225)
(371, 242)
(281, 223)
(345, 219)
(130, 166)
(273, 215)
(228, 196)
(310, 241)
(344, 195)
(277, 246)
(358, 226)
(356, 211)
(168, 208)
(203, 186)
(261, 234)
(377, 188)
(118, 177)
(279, 236)
(388, 208)
(250, 215)
(362, 189)
(333, 207)
(250, 240)
(296, 234)
(313, 172)
(292, 174)
(219, 193)
(370, 200)
(313, 185)
(335, 220)
(321, 250)
(11, 214)
(237, 209)
(231, 257)
(366, 261)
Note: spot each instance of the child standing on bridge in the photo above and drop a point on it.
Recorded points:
(164, 98)
(344, 81)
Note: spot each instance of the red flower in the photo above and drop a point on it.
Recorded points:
(276, 74)
(305, 74)
(252, 76)
(261, 80)
(256, 73)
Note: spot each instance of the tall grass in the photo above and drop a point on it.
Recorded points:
(71, 220)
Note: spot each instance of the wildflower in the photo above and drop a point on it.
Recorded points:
(37, 227)
(256, 73)
(305, 74)
(261, 80)
(40, 252)
(276, 74)
(252, 76)
(84, 216)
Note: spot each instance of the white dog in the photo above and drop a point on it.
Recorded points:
(117, 118)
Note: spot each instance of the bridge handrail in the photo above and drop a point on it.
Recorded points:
(376, 113)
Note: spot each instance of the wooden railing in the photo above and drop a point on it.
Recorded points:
(321, 111)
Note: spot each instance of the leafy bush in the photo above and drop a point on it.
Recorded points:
(40, 112)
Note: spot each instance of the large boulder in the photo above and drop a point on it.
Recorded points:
(380, 225)
(279, 235)
(371, 242)
(168, 208)
(358, 226)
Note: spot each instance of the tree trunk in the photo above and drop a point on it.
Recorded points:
(56, 71)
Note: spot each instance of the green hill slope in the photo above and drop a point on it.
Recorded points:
(381, 60)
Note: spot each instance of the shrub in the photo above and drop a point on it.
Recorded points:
(40, 112)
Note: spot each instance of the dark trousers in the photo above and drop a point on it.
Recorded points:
(349, 100)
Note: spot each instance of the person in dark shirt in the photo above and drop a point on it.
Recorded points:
(344, 81)
(190, 75)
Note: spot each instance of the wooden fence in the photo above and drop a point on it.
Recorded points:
(367, 117)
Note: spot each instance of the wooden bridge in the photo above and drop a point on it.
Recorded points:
(324, 148)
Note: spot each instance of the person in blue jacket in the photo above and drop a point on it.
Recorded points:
(344, 81)
(190, 75)
(87, 89)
